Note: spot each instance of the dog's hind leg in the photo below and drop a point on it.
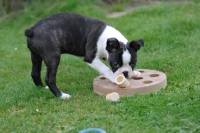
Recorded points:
(52, 66)
(36, 68)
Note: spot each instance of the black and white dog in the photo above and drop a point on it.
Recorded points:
(81, 36)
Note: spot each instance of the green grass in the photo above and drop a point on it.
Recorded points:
(171, 32)
(117, 8)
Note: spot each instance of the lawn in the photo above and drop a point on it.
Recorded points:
(172, 45)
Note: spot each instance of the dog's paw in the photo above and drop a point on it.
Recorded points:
(136, 74)
(112, 79)
(65, 96)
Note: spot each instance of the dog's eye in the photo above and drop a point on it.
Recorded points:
(115, 64)
(132, 64)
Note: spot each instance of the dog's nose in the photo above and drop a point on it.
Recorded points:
(125, 73)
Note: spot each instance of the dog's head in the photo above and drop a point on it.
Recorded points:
(123, 57)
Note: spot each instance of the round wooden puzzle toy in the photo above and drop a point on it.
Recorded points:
(150, 81)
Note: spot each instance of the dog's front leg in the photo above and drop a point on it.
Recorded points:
(98, 65)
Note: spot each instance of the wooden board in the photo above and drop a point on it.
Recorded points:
(150, 81)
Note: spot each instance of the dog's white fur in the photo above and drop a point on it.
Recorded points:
(111, 32)
(65, 96)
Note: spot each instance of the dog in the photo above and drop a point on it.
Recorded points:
(82, 36)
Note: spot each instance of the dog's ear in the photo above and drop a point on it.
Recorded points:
(112, 45)
(136, 44)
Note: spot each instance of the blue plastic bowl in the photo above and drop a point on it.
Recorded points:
(92, 130)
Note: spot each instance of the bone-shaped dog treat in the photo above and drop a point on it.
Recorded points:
(122, 81)
(114, 96)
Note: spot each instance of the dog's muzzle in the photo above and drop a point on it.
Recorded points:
(125, 74)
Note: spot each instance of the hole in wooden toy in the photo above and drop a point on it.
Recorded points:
(141, 71)
(147, 82)
(120, 79)
(102, 78)
(154, 75)
(138, 78)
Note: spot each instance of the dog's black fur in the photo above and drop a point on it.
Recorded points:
(53, 31)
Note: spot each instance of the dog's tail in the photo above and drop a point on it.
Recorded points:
(28, 32)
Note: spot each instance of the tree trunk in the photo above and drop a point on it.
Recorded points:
(7, 6)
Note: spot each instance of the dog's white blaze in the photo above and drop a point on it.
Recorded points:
(126, 57)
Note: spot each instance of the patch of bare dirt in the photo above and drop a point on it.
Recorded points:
(136, 4)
